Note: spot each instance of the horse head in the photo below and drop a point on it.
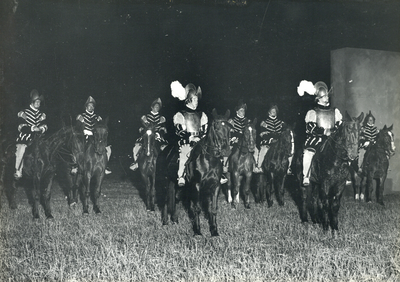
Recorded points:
(219, 133)
(385, 139)
(100, 134)
(351, 127)
(148, 137)
(249, 135)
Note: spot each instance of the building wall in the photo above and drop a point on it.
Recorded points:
(366, 80)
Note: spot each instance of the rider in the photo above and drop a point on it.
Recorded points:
(367, 137)
(320, 122)
(89, 119)
(271, 128)
(158, 120)
(31, 122)
(238, 123)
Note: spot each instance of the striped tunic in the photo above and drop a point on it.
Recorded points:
(156, 119)
(369, 133)
(270, 129)
(89, 121)
(34, 117)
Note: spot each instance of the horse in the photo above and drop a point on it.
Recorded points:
(275, 166)
(203, 172)
(147, 161)
(7, 167)
(329, 172)
(376, 164)
(94, 165)
(241, 163)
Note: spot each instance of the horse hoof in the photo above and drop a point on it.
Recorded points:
(381, 203)
(50, 217)
(247, 206)
(85, 214)
(214, 234)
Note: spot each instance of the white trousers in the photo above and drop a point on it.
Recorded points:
(19, 155)
(184, 152)
(307, 158)
(259, 155)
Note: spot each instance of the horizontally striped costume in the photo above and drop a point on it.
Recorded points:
(238, 124)
(270, 129)
(368, 134)
(89, 121)
(156, 119)
(34, 117)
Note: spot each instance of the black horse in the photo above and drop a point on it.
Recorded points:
(275, 166)
(329, 172)
(241, 163)
(94, 165)
(376, 163)
(203, 172)
(147, 161)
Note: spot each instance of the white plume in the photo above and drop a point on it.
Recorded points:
(178, 91)
(306, 86)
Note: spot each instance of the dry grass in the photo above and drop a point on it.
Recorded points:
(126, 243)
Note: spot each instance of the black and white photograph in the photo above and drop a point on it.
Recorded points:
(199, 140)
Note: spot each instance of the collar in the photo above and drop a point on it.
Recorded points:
(241, 117)
(154, 113)
(320, 106)
(271, 117)
(90, 113)
(33, 108)
(191, 107)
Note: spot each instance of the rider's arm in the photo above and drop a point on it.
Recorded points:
(204, 125)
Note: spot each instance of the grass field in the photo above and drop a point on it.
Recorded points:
(127, 243)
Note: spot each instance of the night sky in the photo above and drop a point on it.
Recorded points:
(126, 55)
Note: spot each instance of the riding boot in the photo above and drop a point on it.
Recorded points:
(184, 152)
(19, 162)
(136, 149)
(289, 171)
(307, 158)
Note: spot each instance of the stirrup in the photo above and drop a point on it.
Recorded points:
(107, 171)
(223, 179)
(306, 181)
(17, 175)
(134, 166)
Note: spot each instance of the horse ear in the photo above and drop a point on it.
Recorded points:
(214, 113)
(227, 113)
(384, 127)
(390, 127)
(360, 117)
(347, 116)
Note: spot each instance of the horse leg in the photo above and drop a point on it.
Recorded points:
(35, 196)
(196, 209)
(303, 203)
(86, 193)
(212, 202)
(369, 187)
(379, 190)
(48, 183)
(153, 192)
(236, 180)
(269, 188)
(147, 183)
(314, 207)
(97, 192)
(334, 209)
(280, 186)
(246, 190)
(323, 195)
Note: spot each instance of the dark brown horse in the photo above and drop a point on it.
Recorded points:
(275, 166)
(376, 164)
(203, 172)
(7, 167)
(147, 161)
(241, 163)
(329, 172)
(94, 165)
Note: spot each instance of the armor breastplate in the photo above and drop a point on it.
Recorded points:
(325, 118)
(192, 120)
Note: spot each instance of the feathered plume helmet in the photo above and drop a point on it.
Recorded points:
(367, 118)
(156, 101)
(319, 89)
(241, 105)
(34, 95)
(184, 93)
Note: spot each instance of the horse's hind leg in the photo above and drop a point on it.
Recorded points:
(96, 194)
(280, 187)
(369, 187)
(196, 209)
(269, 188)
(86, 194)
(47, 195)
(153, 193)
(246, 190)
(212, 202)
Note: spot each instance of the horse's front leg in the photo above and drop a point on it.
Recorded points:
(212, 202)
(334, 209)
(153, 192)
(48, 183)
(236, 180)
(280, 188)
(380, 182)
(74, 191)
(246, 190)
(269, 188)
(323, 196)
(97, 192)
(86, 193)
(35, 196)
(304, 203)
(369, 186)
(196, 209)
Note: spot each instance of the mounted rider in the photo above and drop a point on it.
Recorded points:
(239, 123)
(89, 119)
(153, 117)
(271, 128)
(31, 123)
(320, 122)
(367, 137)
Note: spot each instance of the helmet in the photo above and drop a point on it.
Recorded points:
(156, 101)
(90, 100)
(321, 90)
(192, 91)
(241, 105)
(35, 96)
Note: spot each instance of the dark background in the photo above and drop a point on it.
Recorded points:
(126, 53)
